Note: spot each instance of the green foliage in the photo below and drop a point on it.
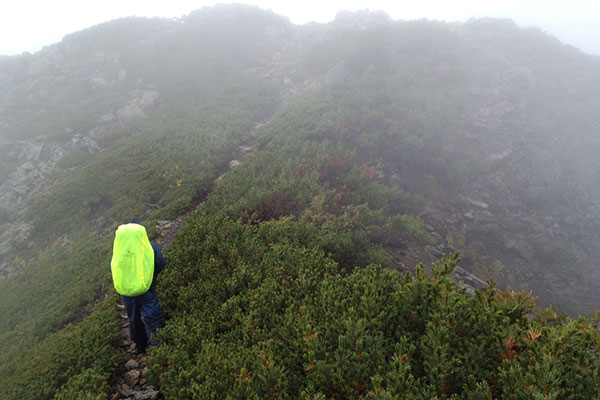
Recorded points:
(91, 384)
(408, 227)
(348, 209)
(71, 267)
(74, 363)
(75, 158)
(104, 188)
(255, 313)
(53, 290)
(263, 301)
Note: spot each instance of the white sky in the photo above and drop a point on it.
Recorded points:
(28, 25)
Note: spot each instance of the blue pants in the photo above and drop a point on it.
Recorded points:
(144, 316)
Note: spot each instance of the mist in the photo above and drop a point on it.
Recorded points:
(346, 208)
(25, 30)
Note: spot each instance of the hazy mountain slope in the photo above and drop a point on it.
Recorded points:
(492, 114)
(498, 127)
(485, 132)
(262, 300)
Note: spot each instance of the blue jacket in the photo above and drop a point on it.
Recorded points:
(159, 263)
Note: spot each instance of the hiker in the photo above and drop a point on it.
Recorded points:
(134, 265)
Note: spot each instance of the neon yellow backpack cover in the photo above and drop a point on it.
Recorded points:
(132, 263)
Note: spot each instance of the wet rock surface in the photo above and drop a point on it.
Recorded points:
(131, 382)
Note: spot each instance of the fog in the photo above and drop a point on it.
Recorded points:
(30, 25)
(271, 161)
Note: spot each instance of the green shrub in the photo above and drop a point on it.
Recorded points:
(75, 362)
(91, 384)
(254, 313)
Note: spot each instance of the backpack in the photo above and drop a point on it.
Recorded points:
(132, 264)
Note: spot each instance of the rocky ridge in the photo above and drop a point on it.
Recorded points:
(29, 166)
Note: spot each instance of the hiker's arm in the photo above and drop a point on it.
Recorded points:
(159, 260)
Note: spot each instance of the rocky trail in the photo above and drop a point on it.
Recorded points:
(132, 381)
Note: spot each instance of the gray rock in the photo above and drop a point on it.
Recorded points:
(501, 155)
(469, 289)
(132, 377)
(131, 364)
(469, 281)
(153, 394)
(148, 98)
(147, 395)
(28, 166)
(478, 203)
(31, 151)
(110, 117)
(162, 224)
(86, 143)
(20, 190)
(125, 393)
(130, 113)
